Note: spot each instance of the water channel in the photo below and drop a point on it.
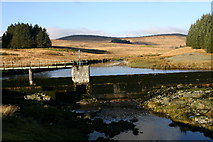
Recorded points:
(106, 84)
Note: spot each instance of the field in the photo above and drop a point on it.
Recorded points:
(162, 51)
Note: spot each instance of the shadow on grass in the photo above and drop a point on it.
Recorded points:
(145, 43)
(93, 51)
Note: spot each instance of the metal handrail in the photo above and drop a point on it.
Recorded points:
(56, 63)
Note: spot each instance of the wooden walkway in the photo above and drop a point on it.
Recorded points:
(38, 65)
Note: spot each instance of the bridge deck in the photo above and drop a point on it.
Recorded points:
(40, 66)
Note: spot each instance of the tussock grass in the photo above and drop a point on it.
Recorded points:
(8, 110)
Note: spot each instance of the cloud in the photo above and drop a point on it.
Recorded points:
(56, 32)
(155, 30)
(1, 33)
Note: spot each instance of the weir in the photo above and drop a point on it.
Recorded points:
(81, 74)
(81, 78)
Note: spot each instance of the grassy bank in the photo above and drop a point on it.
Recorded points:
(157, 62)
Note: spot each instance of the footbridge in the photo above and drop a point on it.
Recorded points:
(80, 68)
(53, 64)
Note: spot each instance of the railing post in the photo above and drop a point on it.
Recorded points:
(12, 65)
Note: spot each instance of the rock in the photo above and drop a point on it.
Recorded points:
(198, 105)
(202, 120)
(37, 97)
(208, 91)
(188, 105)
(163, 87)
(135, 131)
(165, 101)
(87, 101)
(172, 125)
(179, 86)
(87, 116)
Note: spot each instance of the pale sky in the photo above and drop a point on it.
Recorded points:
(105, 18)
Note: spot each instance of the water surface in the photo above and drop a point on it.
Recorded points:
(98, 71)
(151, 126)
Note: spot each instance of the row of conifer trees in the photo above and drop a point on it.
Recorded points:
(200, 35)
(25, 36)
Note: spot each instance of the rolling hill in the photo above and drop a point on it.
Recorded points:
(106, 38)
(86, 38)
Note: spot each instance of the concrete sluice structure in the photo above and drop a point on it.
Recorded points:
(81, 79)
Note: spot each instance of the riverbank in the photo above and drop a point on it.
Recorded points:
(186, 61)
(186, 104)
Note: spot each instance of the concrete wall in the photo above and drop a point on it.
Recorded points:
(81, 74)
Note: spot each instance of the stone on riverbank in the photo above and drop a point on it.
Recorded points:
(37, 97)
(190, 106)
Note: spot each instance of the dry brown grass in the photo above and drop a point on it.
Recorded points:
(182, 51)
(162, 41)
(163, 46)
(8, 110)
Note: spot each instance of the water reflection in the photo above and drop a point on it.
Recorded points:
(151, 127)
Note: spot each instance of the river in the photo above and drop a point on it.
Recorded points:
(151, 126)
(115, 82)
(98, 71)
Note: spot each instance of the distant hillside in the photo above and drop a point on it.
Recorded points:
(86, 38)
(175, 34)
(105, 38)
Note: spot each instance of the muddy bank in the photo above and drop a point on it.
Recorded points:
(187, 104)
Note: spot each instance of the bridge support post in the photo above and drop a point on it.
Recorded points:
(30, 76)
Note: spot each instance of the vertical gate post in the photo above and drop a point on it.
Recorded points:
(30, 76)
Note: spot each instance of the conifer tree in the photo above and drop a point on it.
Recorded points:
(200, 34)
(25, 36)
